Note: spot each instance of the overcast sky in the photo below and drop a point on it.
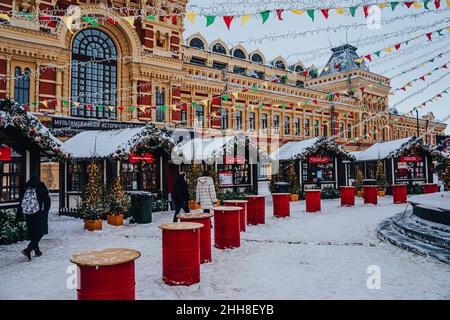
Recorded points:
(301, 44)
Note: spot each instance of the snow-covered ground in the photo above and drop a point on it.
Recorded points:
(307, 256)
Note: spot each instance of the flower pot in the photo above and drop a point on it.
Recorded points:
(218, 203)
(381, 193)
(359, 193)
(92, 225)
(193, 205)
(115, 219)
(294, 197)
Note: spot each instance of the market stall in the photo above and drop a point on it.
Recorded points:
(234, 158)
(404, 161)
(23, 141)
(313, 163)
(141, 156)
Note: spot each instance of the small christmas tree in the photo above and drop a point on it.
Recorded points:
(359, 180)
(92, 201)
(192, 175)
(118, 201)
(381, 177)
(294, 183)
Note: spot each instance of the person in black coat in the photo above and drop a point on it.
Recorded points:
(37, 223)
(180, 195)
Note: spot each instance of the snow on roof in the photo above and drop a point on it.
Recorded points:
(98, 143)
(212, 147)
(380, 150)
(292, 149)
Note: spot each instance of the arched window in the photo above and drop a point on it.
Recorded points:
(257, 58)
(280, 65)
(299, 69)
(22, 85)
(197, 43)
(238, 53)
(218, 48)
(94, 75)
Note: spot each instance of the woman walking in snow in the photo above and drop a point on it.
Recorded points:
(35, 205)
(206, 192)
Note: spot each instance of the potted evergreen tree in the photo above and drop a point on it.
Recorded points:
(381, 179)
(294, 184)
(92, 202)
(117, 203)
(192, 175)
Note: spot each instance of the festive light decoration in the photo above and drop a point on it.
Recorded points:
(17, 116)
(92, 204)
(421, 78)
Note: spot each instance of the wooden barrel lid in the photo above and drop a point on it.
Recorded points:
(312, 190)
(235, 201)
(400, 185)
(371, 186)
(348, 187)
(227, 208)
(181, 226)
(195, 215)
(105, 257)
(254, 196)
(281, 194)
(430, 184)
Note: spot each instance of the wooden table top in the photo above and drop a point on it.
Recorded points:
(105, 257)
(255, 196)
(235, 201)
(195, 215)
(181, 226)
(227, 209)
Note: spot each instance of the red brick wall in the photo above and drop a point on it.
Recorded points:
(145, 98)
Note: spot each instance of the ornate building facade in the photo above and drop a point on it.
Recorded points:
(120, 70)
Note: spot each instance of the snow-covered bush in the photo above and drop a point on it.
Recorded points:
(11, 230)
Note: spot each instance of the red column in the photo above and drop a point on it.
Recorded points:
(312, 199)
(205, 233)
(348, 196)
(281, 205)
(226, 227)
(243, 205)
(399, 192)
(106, 274)
(370, 194)
(256, 209)
(430, 188)
(181, 253)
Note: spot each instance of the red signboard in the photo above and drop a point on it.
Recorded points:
(410, 158)
(5, 153)
(148, 158)
(235, 160)
(318, 159)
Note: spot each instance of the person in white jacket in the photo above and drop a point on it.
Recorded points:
(206, 192)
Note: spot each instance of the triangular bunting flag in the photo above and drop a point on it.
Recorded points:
(297, 11)
(279, 12)
(425, 4)
(265, 16)
(388, 49)
(417, 5)
(437, 3)
(210, 20)
(397, 46)
(340, 10)
(191, 17)
(378, 53)
(325, 12)
(366, 11)
(429, 35)
(130, 21)
(368, 57)
(310, 13)
(394, 5)
(353, 11)
(227, 20)
(409, 4)
(244, 20)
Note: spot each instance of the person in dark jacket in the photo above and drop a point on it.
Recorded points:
(180, 195)
(37, 222)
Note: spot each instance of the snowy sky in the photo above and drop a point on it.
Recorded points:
(396, 26)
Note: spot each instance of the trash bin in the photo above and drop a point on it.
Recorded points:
(141, 206)
(281, 187)
(370, 182)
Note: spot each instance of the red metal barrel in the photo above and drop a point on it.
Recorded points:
(226, 227)
(281, 205)
(370, 194)
(312, 198)
(205, 232)
(243, 205)
(399, 192)
(430, 188)
(256, 209)
(348, 196)
(106, 274)
(181, 253)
